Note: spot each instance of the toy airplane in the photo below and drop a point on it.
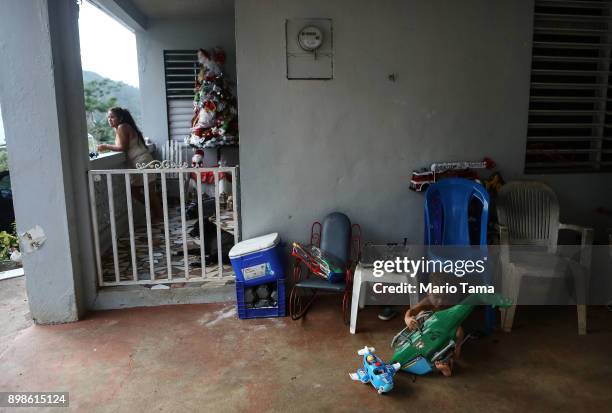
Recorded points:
(417, 351)
(375, 371)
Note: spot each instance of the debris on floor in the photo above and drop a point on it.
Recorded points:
(160, 262)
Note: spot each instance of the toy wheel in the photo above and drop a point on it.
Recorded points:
(381, 390)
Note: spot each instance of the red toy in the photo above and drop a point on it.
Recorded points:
(319, 263)
(422, 178)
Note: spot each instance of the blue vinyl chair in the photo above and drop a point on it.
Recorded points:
(338, 239)
(456, 214)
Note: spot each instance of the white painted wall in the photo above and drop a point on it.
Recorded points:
(205, 32)
(351, 143)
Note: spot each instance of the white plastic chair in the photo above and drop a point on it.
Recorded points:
(528, 214)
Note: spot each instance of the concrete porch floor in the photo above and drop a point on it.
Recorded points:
(202, 358)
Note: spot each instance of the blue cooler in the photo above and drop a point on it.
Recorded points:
(257, 260)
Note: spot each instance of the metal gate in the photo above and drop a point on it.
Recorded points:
(130, 251)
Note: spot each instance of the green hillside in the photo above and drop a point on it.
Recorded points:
(101, 94)
(127, 96)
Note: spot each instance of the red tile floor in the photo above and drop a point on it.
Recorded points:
(202, 358)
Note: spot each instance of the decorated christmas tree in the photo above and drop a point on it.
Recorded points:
(215, 121)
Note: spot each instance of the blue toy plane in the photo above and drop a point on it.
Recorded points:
(375, 371)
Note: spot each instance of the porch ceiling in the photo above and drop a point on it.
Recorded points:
(160, 9)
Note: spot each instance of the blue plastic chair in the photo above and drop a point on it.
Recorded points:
(447, 215)
(339, 239)
(456, 213)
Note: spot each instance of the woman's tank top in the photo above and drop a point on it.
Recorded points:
(138, 152)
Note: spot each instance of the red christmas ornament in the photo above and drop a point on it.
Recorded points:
(210, 106)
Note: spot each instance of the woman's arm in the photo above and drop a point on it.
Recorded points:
(121, 142)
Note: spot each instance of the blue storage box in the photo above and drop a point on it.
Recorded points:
(247, 308)
(257, 260)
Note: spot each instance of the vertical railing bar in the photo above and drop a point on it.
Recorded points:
(218, 223)
(128, 196)
(183, 225)
(166, 224)
(111, 213)
(179, 150)
(174, 156)
(145, 186)
(94, 223)
(235, 205)
(200, 220)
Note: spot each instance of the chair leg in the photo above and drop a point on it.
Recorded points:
(502, 312)
(298, 307)
(295, 301)
(356, 291)
(346, 297)
(581, 283)
(490, 319)
(509, 318)
(512, 292)
(582, 321)
(346, 306)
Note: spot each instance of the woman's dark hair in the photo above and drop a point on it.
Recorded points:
(125, 116)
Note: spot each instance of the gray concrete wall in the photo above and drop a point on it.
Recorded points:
(41, 94)
(206, 32)
(350, 144)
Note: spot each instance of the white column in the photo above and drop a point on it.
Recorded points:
(41, 93)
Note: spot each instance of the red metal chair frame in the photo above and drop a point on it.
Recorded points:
(297, 307)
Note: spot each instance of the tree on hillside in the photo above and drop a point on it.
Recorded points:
(98, 100)
(3, 159)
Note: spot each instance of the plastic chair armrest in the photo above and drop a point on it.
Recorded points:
(586, 241)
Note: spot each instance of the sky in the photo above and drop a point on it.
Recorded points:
(107, 47)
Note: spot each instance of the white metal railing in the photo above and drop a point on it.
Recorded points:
(120, 180)
(177, 153)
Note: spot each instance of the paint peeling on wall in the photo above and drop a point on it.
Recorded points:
(32, 239)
